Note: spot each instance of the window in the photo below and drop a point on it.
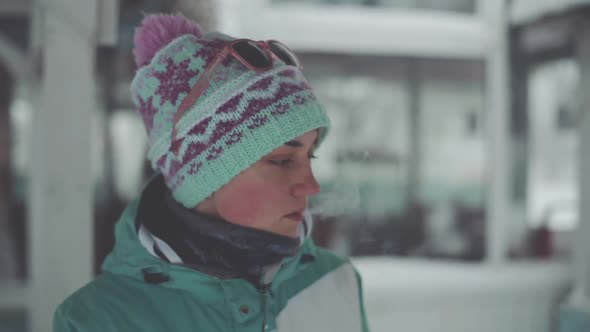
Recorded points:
(547, 163)
(15, 116)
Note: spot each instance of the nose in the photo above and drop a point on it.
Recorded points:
(306, 186)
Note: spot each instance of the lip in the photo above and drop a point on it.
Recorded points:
(295, 216)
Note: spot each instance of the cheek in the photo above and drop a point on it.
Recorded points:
(246, 203)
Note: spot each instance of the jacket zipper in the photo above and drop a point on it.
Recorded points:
(264, 287)
(263, 293)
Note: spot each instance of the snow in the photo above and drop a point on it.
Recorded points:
(388, 274)
(421, 295)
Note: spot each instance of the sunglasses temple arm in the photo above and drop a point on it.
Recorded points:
(197, 90)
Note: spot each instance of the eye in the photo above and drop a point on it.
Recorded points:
(282, 162)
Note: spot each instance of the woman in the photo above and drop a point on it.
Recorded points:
(219, 239)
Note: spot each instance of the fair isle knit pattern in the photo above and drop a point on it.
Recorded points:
(242, 115)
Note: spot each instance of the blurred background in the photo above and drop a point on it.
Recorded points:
(453, 175)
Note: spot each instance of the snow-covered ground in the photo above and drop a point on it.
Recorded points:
(434, 296)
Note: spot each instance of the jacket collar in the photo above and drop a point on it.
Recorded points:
(130, 257)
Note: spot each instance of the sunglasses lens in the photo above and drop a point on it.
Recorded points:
(283, 53)
(253, 54)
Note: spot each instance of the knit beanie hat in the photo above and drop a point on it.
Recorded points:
(240, 117)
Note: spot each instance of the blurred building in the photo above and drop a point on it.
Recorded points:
(452, 173)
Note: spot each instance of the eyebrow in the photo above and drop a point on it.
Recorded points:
(297, 144)
(294, 144)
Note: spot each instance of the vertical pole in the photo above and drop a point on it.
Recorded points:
(416, 141)
(498, 204)
(61, 186)
(582, 245)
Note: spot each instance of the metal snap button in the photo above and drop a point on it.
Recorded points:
(244, 309)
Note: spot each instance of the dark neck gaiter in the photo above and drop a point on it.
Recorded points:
(208, 244)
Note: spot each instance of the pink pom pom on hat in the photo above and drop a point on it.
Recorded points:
(156, 31)
(242, 116)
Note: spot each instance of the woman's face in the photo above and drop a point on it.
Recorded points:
(271, 194)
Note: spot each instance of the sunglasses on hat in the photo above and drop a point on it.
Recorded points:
(255, 55)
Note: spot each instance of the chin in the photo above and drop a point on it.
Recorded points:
(293, 234)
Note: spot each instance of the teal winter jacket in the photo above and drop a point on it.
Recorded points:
(314, 290)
